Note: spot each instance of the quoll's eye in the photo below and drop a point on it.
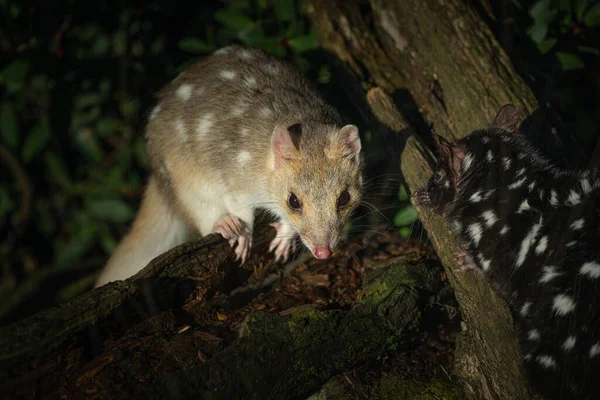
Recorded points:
(293, 202)
(343, 199)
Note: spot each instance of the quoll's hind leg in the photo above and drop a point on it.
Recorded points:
(236, 231)
(284, 242)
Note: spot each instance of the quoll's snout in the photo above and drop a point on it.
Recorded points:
(322, 252)
(419, 197)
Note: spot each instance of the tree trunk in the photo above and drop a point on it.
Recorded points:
(437, 57)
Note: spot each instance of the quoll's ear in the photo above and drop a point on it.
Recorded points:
(442, 146)
(450, 154)
(285, 144)
(507, 118)
(347, 143)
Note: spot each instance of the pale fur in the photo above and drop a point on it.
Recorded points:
(231, 99)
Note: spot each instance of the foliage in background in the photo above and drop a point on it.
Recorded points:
(74, 101)
(78, 81)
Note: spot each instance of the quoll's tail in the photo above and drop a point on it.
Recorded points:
(155, 230)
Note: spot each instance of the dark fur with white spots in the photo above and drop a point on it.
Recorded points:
(552, 281)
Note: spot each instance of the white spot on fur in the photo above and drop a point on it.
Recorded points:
(576, 225)
(531, 186)
(246, 54)
(489, 194)
(457, 226)
(506, 162)
(250, 80)
(517, 184)
(266, 112)
(527, 357)
(180, 129)
(475, 231)
(467, 161)
(563, 304)
(594, 350)
(591, 269)
(475, 197)
(524, 206)
(549, 272)
(546, 361)
(184, 92)
(490, 156)
(520, 172)
(489, 218)
(204, 125)
(569, 343)
(525, 308)
(155, 111)
(574, 198)
(485, 264)
(243, 157)
(553, 198)
(223, 50)
(542, 245)
(504, 230)
(571, 243)
(239, 110)
(227, 74)
(534, 334)
(272, 69)
(585, 186)
(527, 242)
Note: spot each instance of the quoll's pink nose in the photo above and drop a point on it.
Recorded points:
(322, 252)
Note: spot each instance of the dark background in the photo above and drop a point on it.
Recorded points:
(77, 82)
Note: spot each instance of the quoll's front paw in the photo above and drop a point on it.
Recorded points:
(284, 243)
(235, 230)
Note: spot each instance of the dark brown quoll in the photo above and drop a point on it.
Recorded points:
(533, 231)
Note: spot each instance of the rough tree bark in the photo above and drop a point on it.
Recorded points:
(160, 341)
(434, 56)
(457, 76)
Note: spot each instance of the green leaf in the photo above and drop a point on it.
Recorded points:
(79, 243)
(193, 45)
(537, 32)
(13, 75)
(9, 126)
(89, 99)
(36, 140)
(233, 20)
(112, 210)
(7, 203)
(402, 195)
(284, 10)
(303, 44)
(569, 61)
(579, 6)
(542, 13)
(546, 45)
(405, 231)
(406, 216)
(120, 42)
(587, 49)
(58, 174)
(89, 145)
(592, 16)
(109, 126)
